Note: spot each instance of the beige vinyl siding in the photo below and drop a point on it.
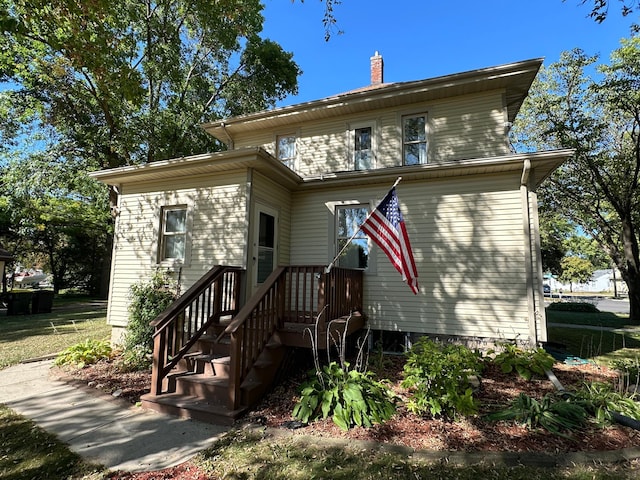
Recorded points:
(268, 192)
(216, 211)
(468, 244)
(467, 127)
(470, 126)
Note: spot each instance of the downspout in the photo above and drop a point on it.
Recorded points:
(528, 251)
(226, 132)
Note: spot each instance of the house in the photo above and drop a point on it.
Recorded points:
(248, 231)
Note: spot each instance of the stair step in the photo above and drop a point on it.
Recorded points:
(191, 407)
(213, 388)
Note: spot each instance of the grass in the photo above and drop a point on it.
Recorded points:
(28, 452)
(600, 319)
(598, 344)
(253, 455)
(23, 337)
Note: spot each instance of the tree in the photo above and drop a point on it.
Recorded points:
(119, 82)
(57, 217)
(600, 9)
(576, 269)
(109, 83)
(554, 230)
(598, 188)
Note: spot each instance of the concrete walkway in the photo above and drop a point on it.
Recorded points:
(101, 429)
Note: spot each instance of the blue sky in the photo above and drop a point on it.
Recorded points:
(421, 39)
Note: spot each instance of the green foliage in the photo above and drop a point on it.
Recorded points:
(147, 300)
(438, 377)
(600, 399)
(576, 269)
(583, 307)
(350, 397)
(135, 359)
(526, 362)
(629, 369)
(597, 188)
(85, 353)
(551, 413)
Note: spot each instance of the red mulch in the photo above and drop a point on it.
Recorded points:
(466, 434)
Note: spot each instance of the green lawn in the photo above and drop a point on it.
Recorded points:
(23, 337)
(598, 344)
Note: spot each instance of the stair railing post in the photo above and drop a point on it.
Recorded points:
(159, 349)
(235, 368)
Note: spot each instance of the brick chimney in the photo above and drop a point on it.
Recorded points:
(377, 69)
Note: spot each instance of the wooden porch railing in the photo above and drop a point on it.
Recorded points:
(294, 294)
(178, 328)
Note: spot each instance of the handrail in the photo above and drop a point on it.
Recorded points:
(296, 294)
(180, 326)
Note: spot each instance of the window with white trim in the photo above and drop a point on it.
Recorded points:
(173, 233)
(286, 149)
(363, 148)
(349, 218)
(414, 139)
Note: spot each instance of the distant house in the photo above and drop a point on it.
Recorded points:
(296, 181)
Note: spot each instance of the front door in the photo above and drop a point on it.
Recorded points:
(265, 243)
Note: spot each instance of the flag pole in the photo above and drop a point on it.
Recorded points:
(330, 266)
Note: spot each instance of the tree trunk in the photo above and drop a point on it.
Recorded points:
(631, 272)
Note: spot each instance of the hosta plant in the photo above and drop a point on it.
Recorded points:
(438, 378)
(84, 353)
(350, 397)
(525, 362)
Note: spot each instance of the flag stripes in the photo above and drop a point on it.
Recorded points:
(385, 226)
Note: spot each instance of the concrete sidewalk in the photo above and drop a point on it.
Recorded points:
(102, 430)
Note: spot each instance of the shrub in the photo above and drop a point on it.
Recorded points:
(551, 413)
(85, 353)
(438, 378)
(349, 396)
(525, 362)
(147, 300)
(582, 307)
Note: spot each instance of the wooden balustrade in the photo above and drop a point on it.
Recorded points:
(294, 294)
(177, 329)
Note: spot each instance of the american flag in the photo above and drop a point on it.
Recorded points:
(385, 226)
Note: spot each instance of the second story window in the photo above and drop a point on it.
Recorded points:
(362, 151)
(286, 150)
(414, 139)
(173, 238)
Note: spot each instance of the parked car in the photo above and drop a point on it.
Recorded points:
(546, 289)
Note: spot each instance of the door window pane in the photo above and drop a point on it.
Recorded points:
(266, 246)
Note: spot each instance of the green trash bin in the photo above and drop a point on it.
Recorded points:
(18, 303)
(42, 301)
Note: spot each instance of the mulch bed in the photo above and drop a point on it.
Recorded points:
(472, 434)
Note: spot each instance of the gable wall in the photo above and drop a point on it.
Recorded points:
(216, 210)
(468, 242)
(470, 126)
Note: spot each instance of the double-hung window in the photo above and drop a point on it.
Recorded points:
(362, 148)
(286, 150)
(173, 238)
(414, 139)
(356, 252)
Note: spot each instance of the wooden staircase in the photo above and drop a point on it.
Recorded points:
(212, 360)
